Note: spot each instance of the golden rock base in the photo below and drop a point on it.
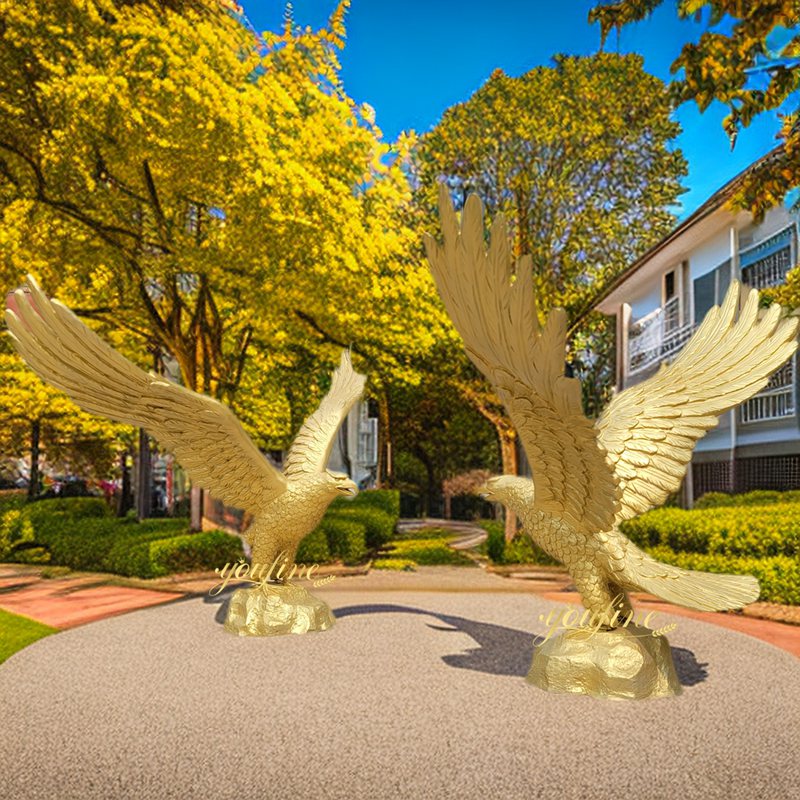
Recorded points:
(626, 663)
(276, 609)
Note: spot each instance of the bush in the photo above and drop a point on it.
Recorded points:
(379, 525)
(520, 550)
(194, 551)
(80, 533)
(495, 540)
(779, 576)
(72, 507)
(396, 564)
(761, 531)
(387, 500)
(314, 548)
(427, 552)
(152, 558)
(12, 498)
(17, 539)
(758, 497)
(346, 538)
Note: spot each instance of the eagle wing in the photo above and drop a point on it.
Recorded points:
(205, 436)
(495, 313)
(649, 430)
(311, 448)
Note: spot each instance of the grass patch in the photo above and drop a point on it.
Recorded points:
(17, 632)
(424, 547)
(396, 564)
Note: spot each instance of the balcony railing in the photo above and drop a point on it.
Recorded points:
(657, 337)
(776, 401)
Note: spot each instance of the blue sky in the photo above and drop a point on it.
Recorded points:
(413, 59)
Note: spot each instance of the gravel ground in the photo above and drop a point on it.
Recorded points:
(410, 695)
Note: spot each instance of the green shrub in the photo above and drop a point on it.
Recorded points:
(495, 540)
(314, 548)
(387, 500)
(396, 564)
(779, 576)
(520, 550)
(146, 557)
(12, 498)
(17, 539)
(72, 507)
(194, 551)
(379, 525)
(346, 538)
(763, 531)
(427, 552)
(758, 497)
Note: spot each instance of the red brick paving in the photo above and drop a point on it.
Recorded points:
(778, 634)
(70, 601)
(67, 602)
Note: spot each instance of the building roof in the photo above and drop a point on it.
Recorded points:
(714, 203)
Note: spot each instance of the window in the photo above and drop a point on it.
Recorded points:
(709, 290)
(775, 401)
(669, 285)
(766, 263)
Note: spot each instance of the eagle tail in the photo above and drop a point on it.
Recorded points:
(705, 591)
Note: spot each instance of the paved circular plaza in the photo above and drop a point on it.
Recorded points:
(412, 694)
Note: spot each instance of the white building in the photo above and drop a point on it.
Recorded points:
(355, 449)
(661, 299)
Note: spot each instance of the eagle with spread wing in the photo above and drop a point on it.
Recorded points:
(590, 476)
(204, 435)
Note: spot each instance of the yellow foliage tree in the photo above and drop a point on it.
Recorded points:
(37, 420)
(201, 191)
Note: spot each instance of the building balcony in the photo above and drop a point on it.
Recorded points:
(659, 336)
(777, 401)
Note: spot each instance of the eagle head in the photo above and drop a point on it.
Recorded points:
(511, 490)
(340, 484)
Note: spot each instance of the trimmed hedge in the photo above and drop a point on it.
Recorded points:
(387, 500)
(758, 497)
(351, 528)
(347, 538)
(760, 531)
(379, 526)
(313, 549)
(779, 576)
(520, 550)
(55, 531)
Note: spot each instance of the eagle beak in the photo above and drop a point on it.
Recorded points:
(349, 488)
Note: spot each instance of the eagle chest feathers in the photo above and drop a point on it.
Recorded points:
(558, 538)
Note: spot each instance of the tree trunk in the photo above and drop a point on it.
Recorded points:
(33, 480)
(125, 499)
(144, 478)
(431, 497)
(508, 454)
(196, 499)
(385, 468)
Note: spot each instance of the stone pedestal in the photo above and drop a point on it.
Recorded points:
(626, 663)
(275, 609)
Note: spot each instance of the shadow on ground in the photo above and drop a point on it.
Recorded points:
(500, 650)
(507, 651)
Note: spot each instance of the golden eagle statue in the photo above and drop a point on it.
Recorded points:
(204, 435)
(590, 476)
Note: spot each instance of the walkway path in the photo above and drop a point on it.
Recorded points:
(413, 693)
(72, 600)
